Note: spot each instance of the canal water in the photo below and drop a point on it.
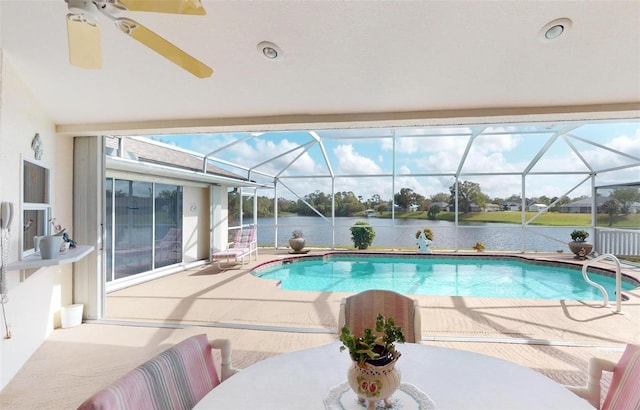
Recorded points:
(401, 234)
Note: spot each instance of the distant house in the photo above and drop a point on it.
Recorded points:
(538, 207)
(511, 206)
(582, 206)
(492, 207)
(413, 207)
(444, 206)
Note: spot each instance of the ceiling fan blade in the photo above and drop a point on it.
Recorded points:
(84, 42)
(192, 7)
(163, 47)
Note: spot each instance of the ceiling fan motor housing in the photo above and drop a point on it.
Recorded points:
(86, 8)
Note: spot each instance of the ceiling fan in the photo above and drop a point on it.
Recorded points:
(84, 31)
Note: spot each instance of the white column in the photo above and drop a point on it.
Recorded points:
(219, 205)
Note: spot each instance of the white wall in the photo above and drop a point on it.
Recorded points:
(33, 307)
(195, 232)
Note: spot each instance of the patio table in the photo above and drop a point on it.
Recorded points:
(451, 378)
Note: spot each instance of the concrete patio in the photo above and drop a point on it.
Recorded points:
(554, 337)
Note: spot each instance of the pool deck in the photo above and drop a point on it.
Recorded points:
(554, 337)
(235, 298)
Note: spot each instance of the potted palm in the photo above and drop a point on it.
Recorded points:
(372, 374)
(579, 245)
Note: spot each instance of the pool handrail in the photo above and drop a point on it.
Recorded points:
(605, 295)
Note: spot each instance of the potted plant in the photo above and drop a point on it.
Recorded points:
(372, 374)
(428, 233)
(579, 245)
(371, 346)
(297, 241)
(423, 240)
(479, 246)
(362, 235)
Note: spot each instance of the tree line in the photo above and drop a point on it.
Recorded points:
(347, 203)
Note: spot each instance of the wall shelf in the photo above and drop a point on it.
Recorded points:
(35, 261)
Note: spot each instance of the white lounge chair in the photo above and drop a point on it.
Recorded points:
(244, 244)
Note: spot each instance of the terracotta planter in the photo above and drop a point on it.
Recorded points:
(373, 383)
(577, 246)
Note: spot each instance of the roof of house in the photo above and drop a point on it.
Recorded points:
(153, 152)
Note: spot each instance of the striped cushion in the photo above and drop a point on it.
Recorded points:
(243, 238)
(624, 391)
(175, 379)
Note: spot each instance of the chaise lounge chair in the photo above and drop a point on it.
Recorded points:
(244, 244)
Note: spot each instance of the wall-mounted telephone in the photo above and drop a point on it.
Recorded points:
(6, 214)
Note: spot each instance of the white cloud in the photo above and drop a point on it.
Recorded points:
(350, 162)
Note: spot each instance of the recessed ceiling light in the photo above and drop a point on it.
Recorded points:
(554, 29)
(269, 50)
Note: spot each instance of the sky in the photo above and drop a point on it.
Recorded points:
(428, 158)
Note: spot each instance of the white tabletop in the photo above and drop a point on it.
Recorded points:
(453, 379)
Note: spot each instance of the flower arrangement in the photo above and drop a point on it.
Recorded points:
(57, 230)
(371, 345)
(428, 233)
(479, 246)
(296, 234)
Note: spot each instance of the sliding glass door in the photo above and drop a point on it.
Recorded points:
(143, 227)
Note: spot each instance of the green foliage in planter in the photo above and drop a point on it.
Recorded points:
(361, 348)
(579, 235)
(362, 235)
(428, 233)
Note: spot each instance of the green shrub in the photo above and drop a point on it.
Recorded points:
(579, 235)
(362, 235)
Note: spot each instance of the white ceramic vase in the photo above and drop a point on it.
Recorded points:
(50, 246)
(374, 383)
(423, 244)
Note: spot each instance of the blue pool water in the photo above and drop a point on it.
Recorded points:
(446, 276)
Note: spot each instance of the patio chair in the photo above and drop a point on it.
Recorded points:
(359, 312)
(244, 244)
(624, 390)
(177, 378)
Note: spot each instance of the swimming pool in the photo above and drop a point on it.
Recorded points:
(498, 277)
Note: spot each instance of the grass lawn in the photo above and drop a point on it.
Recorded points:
(515, 217)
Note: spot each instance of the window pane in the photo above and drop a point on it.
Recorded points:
(35, 183)
(108, 225)
(168, 242)
(35, 224)
(133, 227)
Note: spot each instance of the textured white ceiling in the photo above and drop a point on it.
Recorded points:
(353, 57)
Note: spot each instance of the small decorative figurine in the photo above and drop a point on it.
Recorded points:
(36, 146)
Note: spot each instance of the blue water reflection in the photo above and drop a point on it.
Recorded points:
(443, 276)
